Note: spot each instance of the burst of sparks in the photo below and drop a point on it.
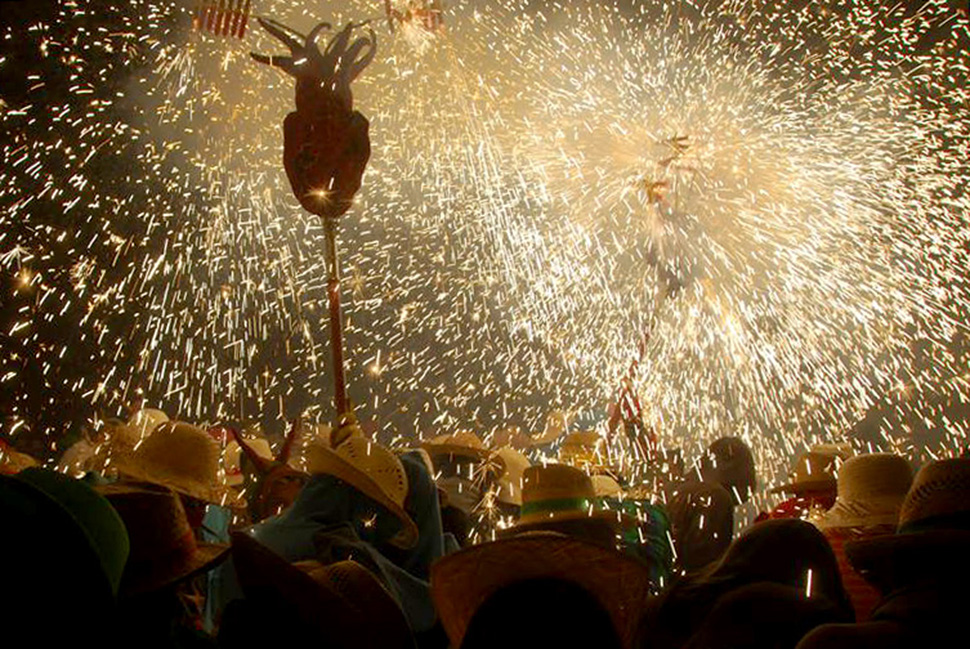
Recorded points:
(777, 196)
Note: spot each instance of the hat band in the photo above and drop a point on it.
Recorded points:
(555, 505)
(960, 521)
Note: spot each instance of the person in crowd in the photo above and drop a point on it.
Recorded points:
(539, 589)
(461, 472)
(185, 459)
(871, 489)
(791, 554)
(561, 498)
(64, 549)
(812, 484)
(921, 571)
(353, 504)
(339, 605)
(644, 526)
(155, 609)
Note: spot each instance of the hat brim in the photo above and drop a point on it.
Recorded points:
(845, 515)
(159, 574)
(461, 582)
(327, 461)
(263, 575)
(452, 449)
(223, 496)
(883, 557)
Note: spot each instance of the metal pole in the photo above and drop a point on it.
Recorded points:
(336, 319)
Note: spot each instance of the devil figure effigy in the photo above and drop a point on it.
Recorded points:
(325, 142)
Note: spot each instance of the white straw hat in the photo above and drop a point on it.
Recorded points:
(374, 471)
(871, 489)
(509, 482)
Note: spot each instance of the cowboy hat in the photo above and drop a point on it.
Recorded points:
(374, 471)
(812, 471)
(933, 527)
(509, 482)
(585, 449)
(462, 581)
(183, 457)
(557, 422)
(463, 443)
(871, 489)
(342, 602)
(163, 547)
(145, 420)
(232, 458)
(510, 436)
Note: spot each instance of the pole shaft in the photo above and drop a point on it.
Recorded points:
(336, 319)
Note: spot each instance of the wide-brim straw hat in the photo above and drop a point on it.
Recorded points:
(557, 422)
(871, 490)
(934, 527)
(463, 443)
(232, 458)
(374, 471)
(461, 582)
(605, 486)
(509, 482)
(813, 471)
(184, 458)
(342, 602)
(585, 449)
(164, 551)
(145, 420)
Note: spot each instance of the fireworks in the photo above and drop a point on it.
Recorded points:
(777, 194)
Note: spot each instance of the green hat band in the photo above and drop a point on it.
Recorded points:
(555, 505)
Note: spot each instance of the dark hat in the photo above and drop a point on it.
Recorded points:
(933, 530)
(163, 547)
(341, 602)
(72, 512)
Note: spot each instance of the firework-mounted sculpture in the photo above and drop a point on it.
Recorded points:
(277, 482)
(326, 144)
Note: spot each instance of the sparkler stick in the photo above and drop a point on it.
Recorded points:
(336, 323)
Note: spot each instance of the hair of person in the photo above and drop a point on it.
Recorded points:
(563, 614)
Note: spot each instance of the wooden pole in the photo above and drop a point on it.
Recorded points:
(336, 319)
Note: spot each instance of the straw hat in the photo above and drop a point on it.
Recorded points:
(232, 458)
(509, 482)
(933, 527)
(374, 471)
(12, 462)
(342, 602)
(871, 491)
(555, 493)
(510, 436)
(462, 581)
(144, 421)
(163, 548)
(463, 443)
(556, 424)
(182, 457)
(813, 471)
(584, 449)
(606, 487)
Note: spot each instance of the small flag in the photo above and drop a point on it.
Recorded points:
(223, 17)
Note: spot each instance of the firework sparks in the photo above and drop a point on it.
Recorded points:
(779, 194)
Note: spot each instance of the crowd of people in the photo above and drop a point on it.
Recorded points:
(158, 533)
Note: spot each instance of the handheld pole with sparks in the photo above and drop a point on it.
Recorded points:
(336, 318)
